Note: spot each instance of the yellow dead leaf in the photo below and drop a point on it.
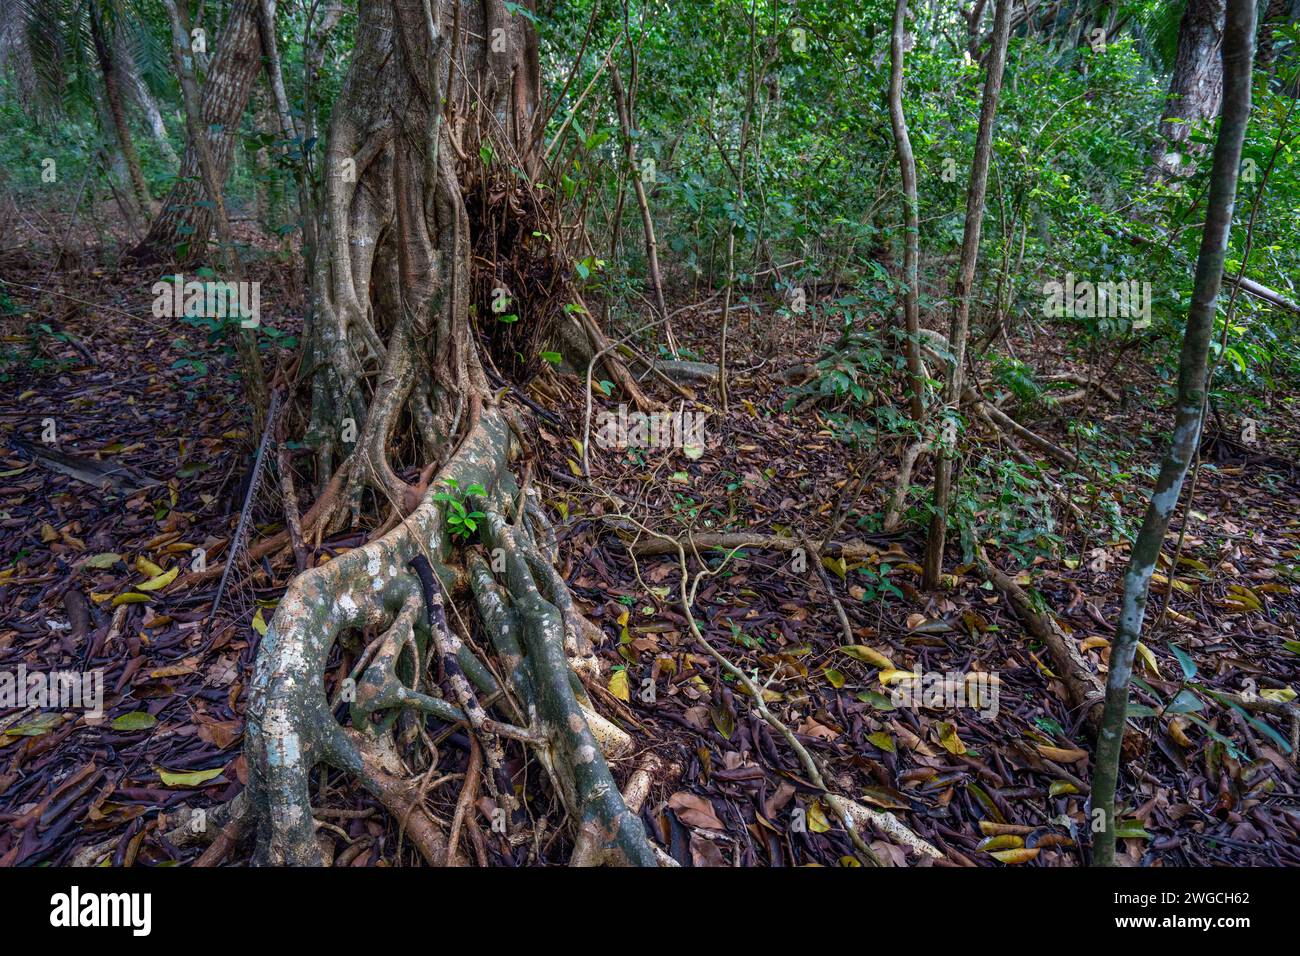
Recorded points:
(949, 739)
(1002, 841)
(1148, 659)
(868, 655)
(837, 565)
(1282, 695)
(1176, 731)
(1015, 856)
(893, 676)
(1062, 754)
(161, 581)
(618, 685)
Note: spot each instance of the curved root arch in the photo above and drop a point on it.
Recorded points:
(539, 638)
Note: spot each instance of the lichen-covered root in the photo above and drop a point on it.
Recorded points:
(533, 625)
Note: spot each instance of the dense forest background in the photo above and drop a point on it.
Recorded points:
(936, 334)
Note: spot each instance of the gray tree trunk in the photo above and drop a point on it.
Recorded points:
(1196, 88)
(1238, 49)
(180, 232)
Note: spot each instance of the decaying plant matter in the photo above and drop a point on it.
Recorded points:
(429, 159)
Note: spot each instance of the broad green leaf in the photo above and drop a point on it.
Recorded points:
(136, 720)
(188, 778)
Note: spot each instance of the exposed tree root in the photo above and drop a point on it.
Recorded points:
(1086, 384)
(1006, 423)
(690, 373)
(530, 619)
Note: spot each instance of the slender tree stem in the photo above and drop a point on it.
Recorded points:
(1238, 50)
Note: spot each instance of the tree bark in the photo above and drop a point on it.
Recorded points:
(970, 248)
(1276, 12)
(424, 215)
(1238, 48)
(246, 340)
(1196, 87)
(623, 103)
(180, 232)
(117, 109)
(288, 129)
(911, 225)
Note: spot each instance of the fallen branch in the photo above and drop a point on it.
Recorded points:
(1083, 687)
(662, 544)
(851, 814)
(1086, 382)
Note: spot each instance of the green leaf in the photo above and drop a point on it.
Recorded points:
(882, 740)
(1185, 703)
(521, 10)
(1184, 661)
(875, 699)
(190, 778)
(1051, 726)
(38, 725)
(136, 720)
(1131, 830)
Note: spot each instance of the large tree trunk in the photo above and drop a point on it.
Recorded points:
(1196, 88)
(180, 232)
(424, 215)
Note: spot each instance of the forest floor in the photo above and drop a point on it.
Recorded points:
(155, 453)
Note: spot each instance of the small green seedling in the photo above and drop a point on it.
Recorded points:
(461, 522)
